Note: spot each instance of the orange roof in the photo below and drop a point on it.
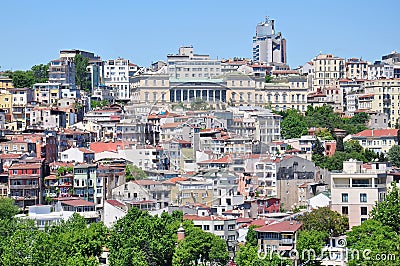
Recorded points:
(366, 96)
(78, 203)
(377, 133)
(175, 179)
(115, 203)
(108, 146)
(10, 156)
(171, 125)
(285, 226)
(85, 150)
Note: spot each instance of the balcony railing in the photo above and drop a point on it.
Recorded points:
(286, 241)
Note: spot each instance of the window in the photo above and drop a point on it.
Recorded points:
(218, 227)
(206, 227)
(363, 197)
(345, 197)
(345, 210)
(364, 211)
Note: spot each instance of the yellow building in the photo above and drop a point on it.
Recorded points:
(6, 83)
(384, 95)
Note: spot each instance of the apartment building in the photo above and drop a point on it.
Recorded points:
(384, 96)
(356, 69)
(328, 69)
(357, 188)
(25, 182)
(377, 140)
(224, 228)
(116, 74)
(379, 70)
(87, 185)
(280, 236)
(62, 71)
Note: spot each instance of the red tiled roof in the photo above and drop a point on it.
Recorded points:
(171, 125)
(115, 203)
(285, 226)
(243, 220)
(78, 203)
(224, 160)
(377, 133)
(25, 166)
(366, 96)
(10, 156)
(108, 146)
(175, 179)
(85, 150)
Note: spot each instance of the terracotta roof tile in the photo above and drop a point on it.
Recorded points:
(377, 133)
(285, 226)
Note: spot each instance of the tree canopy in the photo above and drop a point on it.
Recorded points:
(26, 79)
(294, 124)
(81, 74)
(325, 220)
(394, 155)
(134, 172)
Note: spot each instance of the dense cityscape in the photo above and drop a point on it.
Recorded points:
(196, 160)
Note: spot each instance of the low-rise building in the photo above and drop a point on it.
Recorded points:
(278, 236)
(376, 140)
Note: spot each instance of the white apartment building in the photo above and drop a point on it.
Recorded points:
(356, 69)
(380, 70)
(357, 188)
(268, 46)
(116, 74)
(188, 65)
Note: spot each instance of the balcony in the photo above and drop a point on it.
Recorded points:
(286, 241)
(24, 187)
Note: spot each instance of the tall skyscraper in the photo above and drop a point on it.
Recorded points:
(268, 46)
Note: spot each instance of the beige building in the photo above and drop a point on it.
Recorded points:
(356, 69)
(377, 140)
(328, 69)
(357, 188)
(384, 97)
(6, 82)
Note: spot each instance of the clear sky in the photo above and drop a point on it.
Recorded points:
(33, 32)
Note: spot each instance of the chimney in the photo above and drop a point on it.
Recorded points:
(181, 233)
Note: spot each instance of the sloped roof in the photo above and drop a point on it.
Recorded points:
(377, 133)
(285, 226)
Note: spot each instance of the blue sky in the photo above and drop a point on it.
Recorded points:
(33, 32)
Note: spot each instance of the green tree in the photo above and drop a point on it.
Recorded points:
(311, 240)
(23, 79)
(81, 75)
(251, 237)
(40, 73)
(268, 79)
(155, 236)
(388, 211)
(318, 149)
(394, 155)
(326, 221)
(248, 256)
(7, 208)
(324, 134)
(293, 125)
(339, 144)
(352, 146)
(377, 239)
(133, 172)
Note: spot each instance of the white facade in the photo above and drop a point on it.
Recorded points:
(116, 74)
(112, 212)
(268, 46)
(187, 65)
